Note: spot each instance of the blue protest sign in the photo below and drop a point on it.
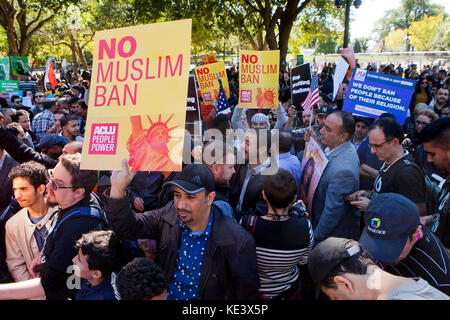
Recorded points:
(370, 94)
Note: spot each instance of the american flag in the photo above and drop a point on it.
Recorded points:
(313, 94)
(222, 103)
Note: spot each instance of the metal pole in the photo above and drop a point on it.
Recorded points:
(347, 22)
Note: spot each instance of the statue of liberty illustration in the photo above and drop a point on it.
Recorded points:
(148, 148)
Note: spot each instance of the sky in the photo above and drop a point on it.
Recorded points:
(371, 11)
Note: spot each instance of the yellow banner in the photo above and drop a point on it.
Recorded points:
(137, 102)
(208, 83)
(258, 79)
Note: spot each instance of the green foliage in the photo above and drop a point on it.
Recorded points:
(408, 12)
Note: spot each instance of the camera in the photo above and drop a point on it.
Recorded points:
(297, 211)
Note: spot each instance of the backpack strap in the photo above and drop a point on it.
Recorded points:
(251, 224)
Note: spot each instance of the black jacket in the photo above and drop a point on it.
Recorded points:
(229, 268)
(21, 152)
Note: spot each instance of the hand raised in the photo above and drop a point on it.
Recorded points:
(120, 180)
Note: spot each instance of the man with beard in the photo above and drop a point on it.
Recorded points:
(26, 230)
(436, 142)
(79, 213)
(205, 254)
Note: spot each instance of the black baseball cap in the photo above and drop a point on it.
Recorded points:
(367, 121)
(326, 110)
(328, 254)
(193, 179)
(390, 219)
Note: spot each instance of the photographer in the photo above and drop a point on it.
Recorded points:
(283, 237)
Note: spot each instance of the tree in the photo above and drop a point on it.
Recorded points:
(73, 28)
(21, 19)
(408, 12)
(395, 40)
(361, 45)
(425, 32)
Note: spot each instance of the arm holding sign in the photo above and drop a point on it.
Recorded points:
(122, 220)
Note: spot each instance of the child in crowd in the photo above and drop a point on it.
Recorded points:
(95, 262)
(142, 279)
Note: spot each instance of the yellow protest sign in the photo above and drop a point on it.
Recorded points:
(208, 83)
(208, 58)
(258, 79)
(137, 102)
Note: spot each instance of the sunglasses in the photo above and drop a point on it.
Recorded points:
(54, 186)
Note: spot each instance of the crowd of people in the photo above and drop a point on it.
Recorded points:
(231, 225)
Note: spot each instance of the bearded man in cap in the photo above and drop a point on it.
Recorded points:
(206, 255)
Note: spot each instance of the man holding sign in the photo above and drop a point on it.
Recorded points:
(332, 215)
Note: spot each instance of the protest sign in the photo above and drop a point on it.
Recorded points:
(137, 102)
(370, 94)
(208, 58)
(300, 84)
(19, 66)
(339, 75)
(4, 69)
(314, 163)
(9, 88)
(258, 79)
(9, 85)
(192, 107)
(208, 83)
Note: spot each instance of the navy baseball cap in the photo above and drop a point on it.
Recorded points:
(367, 121)
(326, 110)
(193, 179)
(390, 219)
(52, 139)
(328, 254)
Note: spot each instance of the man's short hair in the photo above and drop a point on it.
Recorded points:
(348, 122)
(73, 100)
(64, 112)
(65, 119)
(222, 123)
(82, 104)
(14, 97)
(102, 249)
(284, 95)
(14, 128)
(141, 279)
(35, 172)
(19, 113)
(390, 127)
(49, 103)
(437, 132)
(285, 141)
(280, 189)
(209, 150)
(86, 179)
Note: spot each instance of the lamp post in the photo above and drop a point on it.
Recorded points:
(339, 4)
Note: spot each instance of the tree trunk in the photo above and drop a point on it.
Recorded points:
(74, 53)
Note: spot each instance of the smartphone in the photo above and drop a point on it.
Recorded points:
(346, 199)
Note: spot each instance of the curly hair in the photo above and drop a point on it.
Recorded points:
(141, 279)
(35, 172)
(102, 249)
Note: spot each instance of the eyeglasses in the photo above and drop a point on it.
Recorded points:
(54, 186)
(377, 146)
(39, 96)
(421, 123)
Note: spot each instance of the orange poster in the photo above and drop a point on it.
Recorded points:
(207, 81)
(137, 102)
(258, 79)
